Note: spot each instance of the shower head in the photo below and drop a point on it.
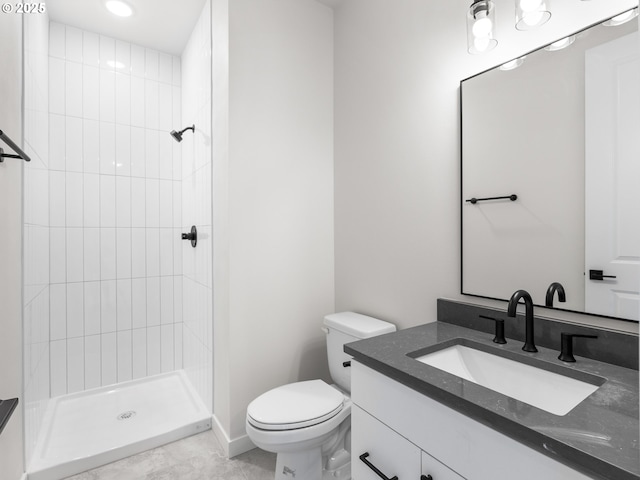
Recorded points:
(178, 135)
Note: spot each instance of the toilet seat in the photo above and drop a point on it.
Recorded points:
(294, 406)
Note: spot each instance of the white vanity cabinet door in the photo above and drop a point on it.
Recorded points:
(432, 469)
(389, 452)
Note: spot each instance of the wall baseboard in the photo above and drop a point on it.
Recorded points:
(233, 447)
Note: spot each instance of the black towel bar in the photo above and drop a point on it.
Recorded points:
(6, 409)
(16, 148)
(513, 197)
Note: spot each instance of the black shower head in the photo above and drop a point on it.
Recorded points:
(178, 135)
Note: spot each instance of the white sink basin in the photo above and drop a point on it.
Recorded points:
(549, 391)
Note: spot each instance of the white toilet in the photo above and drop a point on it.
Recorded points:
(308, 424)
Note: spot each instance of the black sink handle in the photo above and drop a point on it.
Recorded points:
(499, 336)
(566, 345)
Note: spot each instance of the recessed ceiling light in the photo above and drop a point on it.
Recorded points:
(119, 8)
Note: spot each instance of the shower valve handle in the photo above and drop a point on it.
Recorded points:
(193, 236)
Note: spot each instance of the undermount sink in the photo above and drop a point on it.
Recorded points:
(549, 391)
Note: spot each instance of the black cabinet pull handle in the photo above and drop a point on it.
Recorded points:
(599, 275)
(426, 477)
(346, 364)
(364, 456)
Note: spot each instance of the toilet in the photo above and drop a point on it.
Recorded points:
(308, 424)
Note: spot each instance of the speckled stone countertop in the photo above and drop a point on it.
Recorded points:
(599, 437)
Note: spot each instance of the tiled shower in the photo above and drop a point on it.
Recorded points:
(115, 211)
(108, 280)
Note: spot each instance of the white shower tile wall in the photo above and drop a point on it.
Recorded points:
(36, 226)
(114, 187)
(196, 193)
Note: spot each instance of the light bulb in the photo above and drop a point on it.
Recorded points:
(480, 24)
(530, 5)
(533, 18)
(482, 27)
(531, 14)
(481, 43)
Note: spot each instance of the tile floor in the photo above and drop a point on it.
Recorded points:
(199, 457)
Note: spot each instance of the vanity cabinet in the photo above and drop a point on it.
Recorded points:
(390, 453)
(408, 434)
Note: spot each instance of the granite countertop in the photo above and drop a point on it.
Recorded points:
(599, 437)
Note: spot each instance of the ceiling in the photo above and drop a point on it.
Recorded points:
(163, 25)
(166, 25)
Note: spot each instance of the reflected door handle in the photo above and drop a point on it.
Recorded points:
(599, 275)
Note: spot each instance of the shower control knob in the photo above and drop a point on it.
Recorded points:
(193, 236)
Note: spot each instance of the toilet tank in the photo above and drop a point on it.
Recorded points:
(346, 327)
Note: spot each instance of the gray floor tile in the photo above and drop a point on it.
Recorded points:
(257, 464)
(199, 457)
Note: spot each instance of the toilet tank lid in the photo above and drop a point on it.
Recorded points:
(358, 325)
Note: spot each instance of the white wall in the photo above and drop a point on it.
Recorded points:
(397, 186)
(36, 231)
(196, 191)
(11, 446)
(277, 215)
(115, 179)
(396, 158)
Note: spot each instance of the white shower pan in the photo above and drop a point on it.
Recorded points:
(85, 430)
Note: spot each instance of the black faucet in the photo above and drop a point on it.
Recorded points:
(529, 345)
(553, 288)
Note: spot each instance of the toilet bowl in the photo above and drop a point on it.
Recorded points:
(308, 424)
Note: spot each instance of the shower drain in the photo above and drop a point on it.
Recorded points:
(127, 415)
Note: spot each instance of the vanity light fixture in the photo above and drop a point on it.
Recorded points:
(622, 18)
(119, 8)
(532, 13)
(560, 44)
(481, 19)
(513, 64)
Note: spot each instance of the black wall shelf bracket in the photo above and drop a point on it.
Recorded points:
(513, 197)
(16, 148)
(6, 409)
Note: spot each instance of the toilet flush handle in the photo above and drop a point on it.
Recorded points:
(325, 330)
